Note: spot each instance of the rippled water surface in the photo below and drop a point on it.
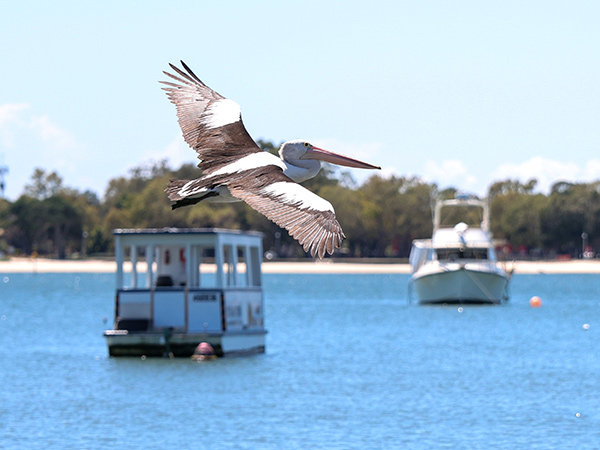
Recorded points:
(350, 364)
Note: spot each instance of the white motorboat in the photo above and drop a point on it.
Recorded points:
(458, 264)
(180, 290)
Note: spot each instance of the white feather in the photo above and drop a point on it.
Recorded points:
(251, 161)
(188, 191)
(293, 193)
(221, 113)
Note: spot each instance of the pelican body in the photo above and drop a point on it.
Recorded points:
(235, 168)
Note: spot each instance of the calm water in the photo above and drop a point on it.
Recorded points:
(350, 364)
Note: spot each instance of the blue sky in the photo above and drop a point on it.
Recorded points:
(461, 93)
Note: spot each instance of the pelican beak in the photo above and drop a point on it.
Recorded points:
(334, 158)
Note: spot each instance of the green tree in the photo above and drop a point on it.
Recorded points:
(123, 206)
(66, 223)
(516, 213)
(381, 217)
(572, 209)
(347, 204)
(27, 225)
(50, 218)
(44, 185)
(394, 211)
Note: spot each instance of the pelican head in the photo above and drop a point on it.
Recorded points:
(303, 160)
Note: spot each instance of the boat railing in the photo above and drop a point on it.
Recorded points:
(467, 209)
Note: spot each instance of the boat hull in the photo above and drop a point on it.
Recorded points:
(125, 343)
(459, 285)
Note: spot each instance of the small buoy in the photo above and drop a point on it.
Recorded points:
(577, 414)
(535, 302)
(203, 352)
(586, 326)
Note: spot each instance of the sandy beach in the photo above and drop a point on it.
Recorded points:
(41, 265)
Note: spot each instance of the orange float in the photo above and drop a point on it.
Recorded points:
(535, 302)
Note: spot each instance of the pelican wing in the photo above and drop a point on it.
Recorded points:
(307, 217)
(211, 124)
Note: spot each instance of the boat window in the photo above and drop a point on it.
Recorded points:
(170, 267)
(203, 267)
(470, 214)
(453, 254)
(227, 266)
(242, 267)
(134, 270)
(255, 260)
(180, 265)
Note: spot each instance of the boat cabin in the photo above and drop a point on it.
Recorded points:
(177, 288)
(462, 242)
(453, 244)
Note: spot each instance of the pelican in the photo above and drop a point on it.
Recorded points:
(235, 168)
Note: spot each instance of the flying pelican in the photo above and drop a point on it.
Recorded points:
(235, 168)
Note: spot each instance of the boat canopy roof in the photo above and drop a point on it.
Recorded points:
(182, 231)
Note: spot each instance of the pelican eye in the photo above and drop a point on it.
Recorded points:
(306, 144)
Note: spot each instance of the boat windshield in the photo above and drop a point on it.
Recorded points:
(470, 214)
(453, 254)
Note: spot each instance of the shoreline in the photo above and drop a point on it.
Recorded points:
(328, 266)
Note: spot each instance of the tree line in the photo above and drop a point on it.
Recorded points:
(380, 218)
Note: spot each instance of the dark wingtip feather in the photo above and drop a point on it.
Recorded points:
(190, 71)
